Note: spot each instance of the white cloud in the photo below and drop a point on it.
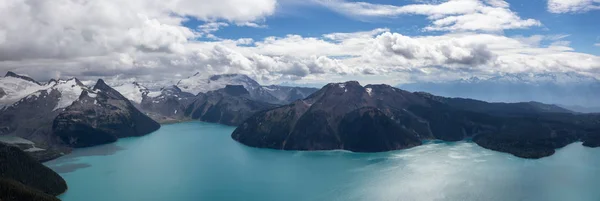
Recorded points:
(572, 6)
(597, 44)
(208, 28)
(453, 15)
(341, 56)
(146, 40)
(37, 29)
(252, 24)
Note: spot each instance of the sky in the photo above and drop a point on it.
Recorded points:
(299, 41)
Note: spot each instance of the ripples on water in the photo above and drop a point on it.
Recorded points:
(199, 161)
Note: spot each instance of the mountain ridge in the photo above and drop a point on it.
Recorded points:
(560, 89)
(336, 117)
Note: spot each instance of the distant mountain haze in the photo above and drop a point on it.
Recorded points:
(573, 91)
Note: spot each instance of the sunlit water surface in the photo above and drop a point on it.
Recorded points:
(199, 161)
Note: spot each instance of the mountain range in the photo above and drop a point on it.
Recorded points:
(376, 118)
(43, 121)
(573, 91)
(226, 98)
(48, 119)
(40, 121)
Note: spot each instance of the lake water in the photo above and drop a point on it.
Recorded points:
(199, 161)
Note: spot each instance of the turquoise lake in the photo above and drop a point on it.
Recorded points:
(199, 161)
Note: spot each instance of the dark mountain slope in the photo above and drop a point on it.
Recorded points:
(504, 109)
(339, 116)
(100, 116)
(24, 178)
(381, 118)
(230, 106)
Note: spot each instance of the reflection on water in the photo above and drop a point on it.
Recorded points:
(199, 161)
(68, 167)
(71, 163)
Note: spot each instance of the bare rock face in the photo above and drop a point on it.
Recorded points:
(24, 178)
(2, 93)
(230, 106)
(100, 116)
(377, 118)
(168, 106)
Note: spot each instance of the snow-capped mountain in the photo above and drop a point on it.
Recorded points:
(101, 113)
(133, 91)
(561, 88)
(168, 104)
(31, 117)
(99, 116)
(199, 83)
(70, 90)
(271, 94)
(14, 87)
(66, 92)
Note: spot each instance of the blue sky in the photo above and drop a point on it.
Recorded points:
(311, 20)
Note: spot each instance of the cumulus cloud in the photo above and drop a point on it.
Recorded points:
(572, 6)
(146, 41)
(36, 29)
(208, 28)
(453, 15)
(445, 52)
(341, 55)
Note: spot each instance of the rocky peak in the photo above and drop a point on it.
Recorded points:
(101, 116)
(108, 91)
(101, 85)
(52, 82)
(12, 74)
(337, 89)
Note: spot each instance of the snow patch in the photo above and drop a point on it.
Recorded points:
(34, 149)
(202, 83)
(369, 91)
(154, 94)
(17, 88)
(132, 91)
(70, 91)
